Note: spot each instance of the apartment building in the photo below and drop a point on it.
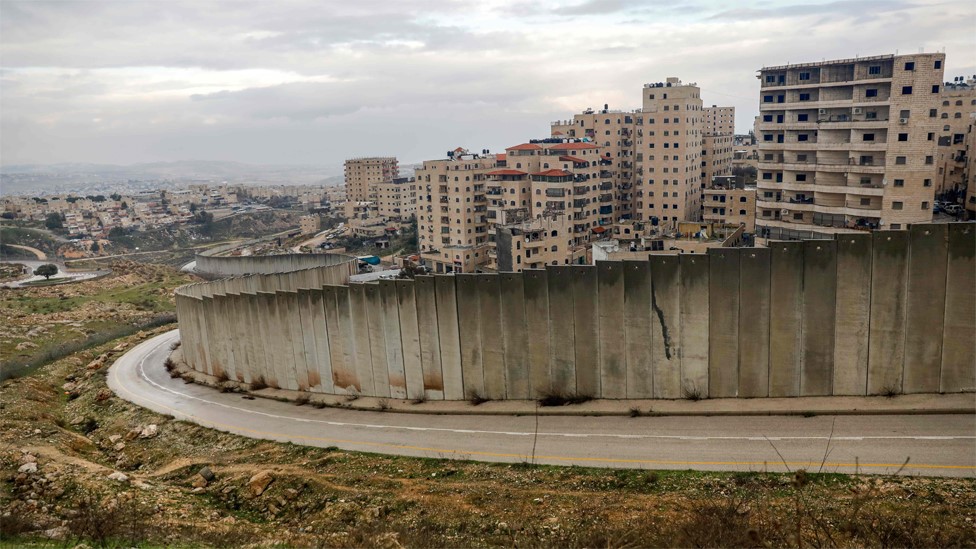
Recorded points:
(669, 150)
(847, 144)
(362, 175)
(613, 131)
(717, 153)
(397, 198)
(547, 200)
(452, 209)
(309, 224)
(957, 115)
(727, 202)
(719, 120)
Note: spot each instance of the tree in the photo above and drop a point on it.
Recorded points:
(193, 207)
(53, 221)
(116, 196)
(95, 247)
(47, 270)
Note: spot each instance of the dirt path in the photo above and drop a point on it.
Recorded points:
(40, 255)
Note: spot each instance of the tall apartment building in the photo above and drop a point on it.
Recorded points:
(546, 201)
(848, 144)
(719, 120)
(452, 211)
(397, 198)
(613, 131)
(957, 115)
(669, 151)
(362, 175)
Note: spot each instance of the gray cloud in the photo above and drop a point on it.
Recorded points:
(303, 82)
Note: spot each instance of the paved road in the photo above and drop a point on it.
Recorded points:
(937, 445)
(33, 264)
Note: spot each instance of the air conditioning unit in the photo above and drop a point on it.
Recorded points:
(821, 111)
(858, 110)
(903, 121)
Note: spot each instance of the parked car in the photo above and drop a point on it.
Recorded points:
(953, 209)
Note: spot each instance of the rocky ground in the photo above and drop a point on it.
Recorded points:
(78, 464)
(39, 319)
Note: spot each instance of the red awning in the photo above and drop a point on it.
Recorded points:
(554, 173)
(598, 230)
(507, 172)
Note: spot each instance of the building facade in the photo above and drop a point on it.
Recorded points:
(726, 202)
(957, 115)
(848, 144)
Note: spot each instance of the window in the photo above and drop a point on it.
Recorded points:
(801, 177)
(869, 137)
(927, 183)
(910, 66)
(798, 215)
(958, 115)
(899, 182)
(801, 158)
(865, 201)
(929, 160)
(874, 69)
(903, 137)
(871, 92)
(906, 90)
(865, 180)
(897, 205)
(925, 205)
(769, 78)
(804, 76)
(742, 212)
(767, 99)
(802, 117)
(905, 113)
(933, 113)
(938, 63)
(767, 176)
(767, 118)
(802, 137)
(935, 88)
(900, 160)
(804, 97)
(930, 136)
(895, 226)
(742, 199)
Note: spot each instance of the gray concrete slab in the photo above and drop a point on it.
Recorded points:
(493, 353)
(536, 290)
(447, 326)
(723, 322)
(586, 320)
(430, 347)
(694, 324)
(469, 326)
(410, 338)
(394, 345)
(958, 347)
(666, 325)
(754, 276)
(637, 328)
(889, 278)
(612, 338)
(852, 314)
(924, 320)
(562, 329)
(785, 318)
(819, 304)
(514, 336)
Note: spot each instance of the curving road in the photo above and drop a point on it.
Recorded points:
(934, 445)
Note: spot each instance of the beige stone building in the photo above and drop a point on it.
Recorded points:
(716, 160)
(452, 208)
(309, 224)
(848, 144)
(957, 115)
(363, 174)
(669, 140)
(731, 204)
(547, 200)
(719, 120)
(397, 199)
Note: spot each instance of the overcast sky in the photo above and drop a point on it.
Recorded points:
(315, 82)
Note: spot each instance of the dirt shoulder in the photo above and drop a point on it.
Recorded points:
(77, 462)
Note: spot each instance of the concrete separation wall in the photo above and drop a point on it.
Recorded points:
(864, 314)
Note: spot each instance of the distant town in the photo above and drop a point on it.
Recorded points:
(839, 146)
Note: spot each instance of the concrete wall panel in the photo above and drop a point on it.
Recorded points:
(694, 339)
(889, 283)
(612, 337)
(924, 322)
(297, 377)
(637, 328)
(394, 345)
(266, 321)
(586, 319)
(514, 338)
(430, 346)
(536, 291)
(754, 277)
(469, 326)
(349, 376)
(852, 314)
(819, 303)
(410, 338)
(377, 340)
(562, 331)
(785, 318)
(321, 337)
(666, 325)
(493, 353)
(959, 341)
(359, 322)
(723, 322)
(307, 320)
(447, 326)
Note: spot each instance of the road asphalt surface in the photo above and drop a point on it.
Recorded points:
(929, 445)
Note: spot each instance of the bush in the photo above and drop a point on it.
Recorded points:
(558, 398)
